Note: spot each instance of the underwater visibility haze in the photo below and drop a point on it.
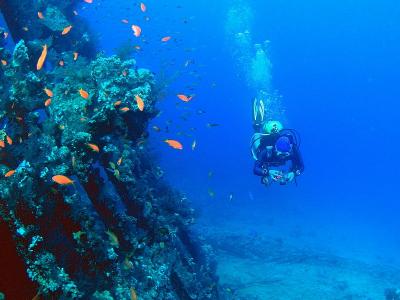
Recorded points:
(230, 149)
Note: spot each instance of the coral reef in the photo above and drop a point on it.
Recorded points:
(83, 200)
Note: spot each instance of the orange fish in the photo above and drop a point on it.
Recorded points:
(143, 7)
(139, 102)
(42, 58)
(48, 92)
(4, 62)
(119, 161)
(94, 147)
(2, 144)
(136, 30)
(165, 39)
(9, 140)
(174, 144)
(184, 97)
(88, 1)
(133, 293)
(125, 21)
(47, 102)
(84, 94)
(37, 296)
(61, 179)
(117, 103)
(61, 63)
(40, 15)
(124, 109)
(9, 173)
(76, 55)
(66, 30)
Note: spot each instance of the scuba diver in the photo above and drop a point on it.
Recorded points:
(275, 149)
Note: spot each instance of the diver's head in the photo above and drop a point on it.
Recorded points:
(272, 127)
(283, 146)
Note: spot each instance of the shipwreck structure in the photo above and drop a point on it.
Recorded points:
(111, 228)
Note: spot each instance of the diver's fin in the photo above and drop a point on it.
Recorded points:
(255, 110)
(258, 111)
(262, 110)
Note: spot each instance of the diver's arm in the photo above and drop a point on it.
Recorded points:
(298, 165)
(259, 168)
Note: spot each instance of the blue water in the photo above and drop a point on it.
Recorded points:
(336, 65)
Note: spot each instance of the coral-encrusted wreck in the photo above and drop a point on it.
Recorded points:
(118, 231)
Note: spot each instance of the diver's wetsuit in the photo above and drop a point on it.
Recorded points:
(269, 159)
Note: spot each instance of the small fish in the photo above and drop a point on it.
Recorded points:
(230, 197)
(4, 62)
(76, 54)
(143, 7)
(66, 30)
(133, 293)
(117, 174)
(75, 13)
(200, 112)
(94, 147)
(73, 161)
(119, 161)
(2, 144)
(83, 94)
(188, 62)
(210, 174)
(48, 92)
(136, 30)
(9, 140)
(88, 1)
(211, 193)
(194, 145)
(139, 102)
(40, 15)
(61, 179)
(125, 21)
(5, 34)
(174, 144)
(156, 128)
(117, 103)
(209, 125)
(25, 28)
(137, 47)
(42, 58)
(124, 109)
(127, 264)
(113, 238)
(165, 39)
(184, 97)
(9, 173)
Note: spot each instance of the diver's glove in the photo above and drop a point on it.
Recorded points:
(290, 176)
(276, 175)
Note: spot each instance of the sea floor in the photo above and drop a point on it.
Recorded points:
(252, 265)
